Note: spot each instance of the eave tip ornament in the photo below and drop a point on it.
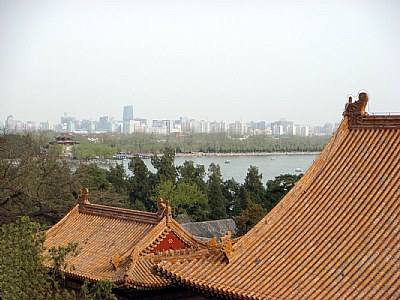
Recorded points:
(356, 110)
(164, 209)
(83, 197)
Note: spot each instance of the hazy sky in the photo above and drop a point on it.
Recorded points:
(207, 59)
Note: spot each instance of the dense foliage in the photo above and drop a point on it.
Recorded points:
(22, 272)
(108, 144)
(100, 290)
(38, 183)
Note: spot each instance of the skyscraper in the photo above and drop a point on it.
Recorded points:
(127, 119)
(128, 113)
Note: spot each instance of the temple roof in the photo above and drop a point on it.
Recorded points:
(120, 245)
(335, 235)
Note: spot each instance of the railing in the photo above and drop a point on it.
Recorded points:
(385, 114)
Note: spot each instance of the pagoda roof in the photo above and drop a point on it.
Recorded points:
(335, 235)
(120, 245)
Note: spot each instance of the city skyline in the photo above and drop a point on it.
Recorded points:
(120, 118)
(211, 60)
(129, 124)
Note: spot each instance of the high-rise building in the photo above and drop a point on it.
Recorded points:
(128, 113)
(282, 127)
(127, 119)
(10, 123)
(104, 123)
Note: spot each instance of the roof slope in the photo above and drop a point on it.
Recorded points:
(117, 244)
(335, 235)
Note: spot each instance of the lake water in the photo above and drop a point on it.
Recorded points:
(269, 165)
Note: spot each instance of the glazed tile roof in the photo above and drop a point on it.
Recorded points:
(120, 245)
(335, 235)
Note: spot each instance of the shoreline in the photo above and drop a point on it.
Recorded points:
(199, 154)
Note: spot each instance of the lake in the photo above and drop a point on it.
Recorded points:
(269, 165)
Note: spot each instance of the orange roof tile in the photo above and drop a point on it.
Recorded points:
(335, 235)
(117, 244)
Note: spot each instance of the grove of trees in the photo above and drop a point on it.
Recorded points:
(35, 181)
(107, 145)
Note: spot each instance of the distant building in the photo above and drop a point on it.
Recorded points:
(64, 139)
(302, 130)
(104, 123)
(187, 124)
(238, 128)
(202, 126)
(129, 126)
(46, 125)
(258, 125)
(10, 123)
(67, 123)
(128, 113)
(127, 119)
(282, 127)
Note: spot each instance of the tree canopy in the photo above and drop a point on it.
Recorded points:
(22, 271)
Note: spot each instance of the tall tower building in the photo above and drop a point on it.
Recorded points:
(127, 119)
(128, 113)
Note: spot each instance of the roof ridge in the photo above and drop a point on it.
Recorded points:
(119, 213)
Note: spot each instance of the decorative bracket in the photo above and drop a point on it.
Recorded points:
(225, 245)
(115, 261)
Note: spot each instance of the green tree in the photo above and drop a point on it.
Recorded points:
(253, 184)
(22, 271)
(102, 190)
(141, 185)
(190, 173)
(231, 192)
(164, 165)
(101, 290)
(250, 216)
(186, 198)
(87, 150)
(278, 188)
(33, 183)
(22, 275)
(216, 198)
(118, 178)
(92, 176)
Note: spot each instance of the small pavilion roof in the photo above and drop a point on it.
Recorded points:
(335, 235)
(120, 245)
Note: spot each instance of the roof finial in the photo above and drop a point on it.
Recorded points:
(83, 198)
(164, 209)
(355, 111)
(168, 212)
(160, 207)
